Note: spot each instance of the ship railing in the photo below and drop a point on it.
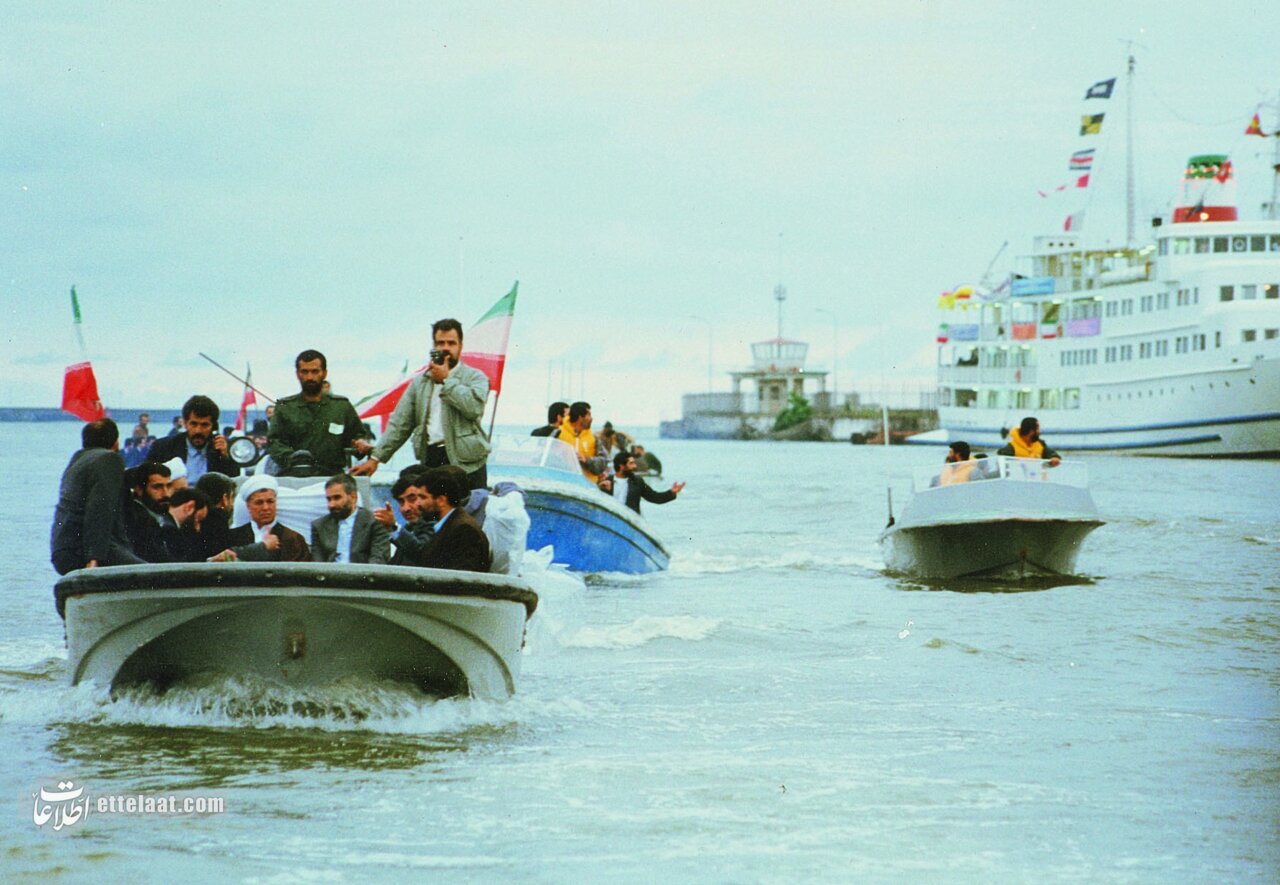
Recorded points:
(1001, 467)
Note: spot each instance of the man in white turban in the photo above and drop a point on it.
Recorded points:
(263, 538)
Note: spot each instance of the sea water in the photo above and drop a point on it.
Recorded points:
(774, 708)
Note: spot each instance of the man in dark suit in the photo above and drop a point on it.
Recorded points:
(411, 538)
(459, 542)
(262, 538)
(200, 447)
(349, 533)
(87, 528)
(147, 510)
(556, 414)
(629, 489)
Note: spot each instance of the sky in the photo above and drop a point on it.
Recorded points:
(250, 180)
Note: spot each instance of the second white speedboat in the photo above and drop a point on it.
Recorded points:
(1002, 516)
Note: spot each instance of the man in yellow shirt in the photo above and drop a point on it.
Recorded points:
(1025, 442)
(577, 433)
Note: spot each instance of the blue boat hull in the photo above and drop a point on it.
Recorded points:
(588, 538)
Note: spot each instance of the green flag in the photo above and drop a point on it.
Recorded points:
(75, 305)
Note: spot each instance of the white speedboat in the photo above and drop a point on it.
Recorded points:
(297, 624)
(1005, 516)
(300, 624)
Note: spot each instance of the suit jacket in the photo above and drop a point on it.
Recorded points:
(146, 538)
(460, 544)
(176, 447)
(637, 488)
(462, 395)
(293, 547)
(411, 543)
(87, 522)
(370, 542)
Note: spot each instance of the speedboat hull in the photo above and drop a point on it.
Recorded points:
(1016, 548)
(1007, 516)
(589, 535)
(297, 624)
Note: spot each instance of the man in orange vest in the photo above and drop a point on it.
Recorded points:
(1025, 442)
(958, 466)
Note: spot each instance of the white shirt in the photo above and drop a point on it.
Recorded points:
(435, 416)
(260, 532)
(620, 489)
(345, 528)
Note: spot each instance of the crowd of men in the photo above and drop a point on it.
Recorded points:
(612, 460)
(962, 464)
(175, 501)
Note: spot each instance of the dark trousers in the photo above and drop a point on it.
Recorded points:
(436, 456)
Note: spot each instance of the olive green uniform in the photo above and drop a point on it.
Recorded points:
(323, 428)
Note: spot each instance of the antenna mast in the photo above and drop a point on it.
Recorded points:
(780, 291)
(1130, 186)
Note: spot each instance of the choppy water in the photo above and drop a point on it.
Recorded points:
(775, 708)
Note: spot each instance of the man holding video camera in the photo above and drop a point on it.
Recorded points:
(200, 446)
(441, 410)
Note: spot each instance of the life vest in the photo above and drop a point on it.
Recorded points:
(584, 443)
(956, 473)
(1023, 449)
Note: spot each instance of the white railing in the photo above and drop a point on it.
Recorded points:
(1001, 467)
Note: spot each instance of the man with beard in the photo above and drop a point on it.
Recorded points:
(216, 529)
(188, 508)
(263, 538)
(1025, 442)
(441, 410)
(557, 412)
(87, 530)
(629, 489)
(348, 533)
(201, 448)
(323, 424)
(459, 542)
(146, 511)
(576, 431)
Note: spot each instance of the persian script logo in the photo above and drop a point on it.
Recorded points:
(65, 806)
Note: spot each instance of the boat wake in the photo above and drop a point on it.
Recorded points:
(642, 631)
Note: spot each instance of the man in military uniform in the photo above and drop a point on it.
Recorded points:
(322, 423)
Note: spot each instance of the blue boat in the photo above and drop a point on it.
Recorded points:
(589, 531)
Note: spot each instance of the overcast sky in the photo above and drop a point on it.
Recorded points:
(254, 179)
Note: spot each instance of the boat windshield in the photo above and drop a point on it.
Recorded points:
(1070, 473)
(545, 452)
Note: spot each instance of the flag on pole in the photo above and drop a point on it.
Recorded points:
(1255, 127)
(1074, 221)
(1083, 180)
(1101, 89)
(79, 386)
(1082, 160)
(80, 393)
(1091, 124)
(484, 347)
(486, 342)
(249, 399)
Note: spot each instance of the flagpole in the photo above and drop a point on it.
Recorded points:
(237, 377)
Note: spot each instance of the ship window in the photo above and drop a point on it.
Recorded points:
(1144, 350)
(1270, 334)
(1271, 290)
(1249, 335)
(1164, 245)
(991, 399)
(966, 399)
(1202, 245)
(1219, 244)
(1226, 293)
(1239, 244)
(1195, 295)
(1275, 242)
(1022, 399)
(1049, 399)
(1162, 347)
(1147, 301)
(1217, 339)
(1162, 301)
(1257, 244)
(1071, 398)
(1200, 341)
(1181, 246)
(1248, 293)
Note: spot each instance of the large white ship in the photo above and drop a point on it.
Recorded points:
(1168, 348)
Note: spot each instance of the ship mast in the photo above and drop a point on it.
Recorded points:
(1275, 169)
(780, 291)
(1130, 187)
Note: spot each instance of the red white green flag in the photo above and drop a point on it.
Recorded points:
(484, 347)
(79, 386)
(249, 399)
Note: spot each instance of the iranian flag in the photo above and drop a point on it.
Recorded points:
(249, 399)
(484, 347)
(79, 386)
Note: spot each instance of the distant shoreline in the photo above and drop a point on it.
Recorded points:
(121, 416)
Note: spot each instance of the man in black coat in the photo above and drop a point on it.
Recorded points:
(200, 447)
(87, 527)
(147, 510)
(630, 489)
(459, 542)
